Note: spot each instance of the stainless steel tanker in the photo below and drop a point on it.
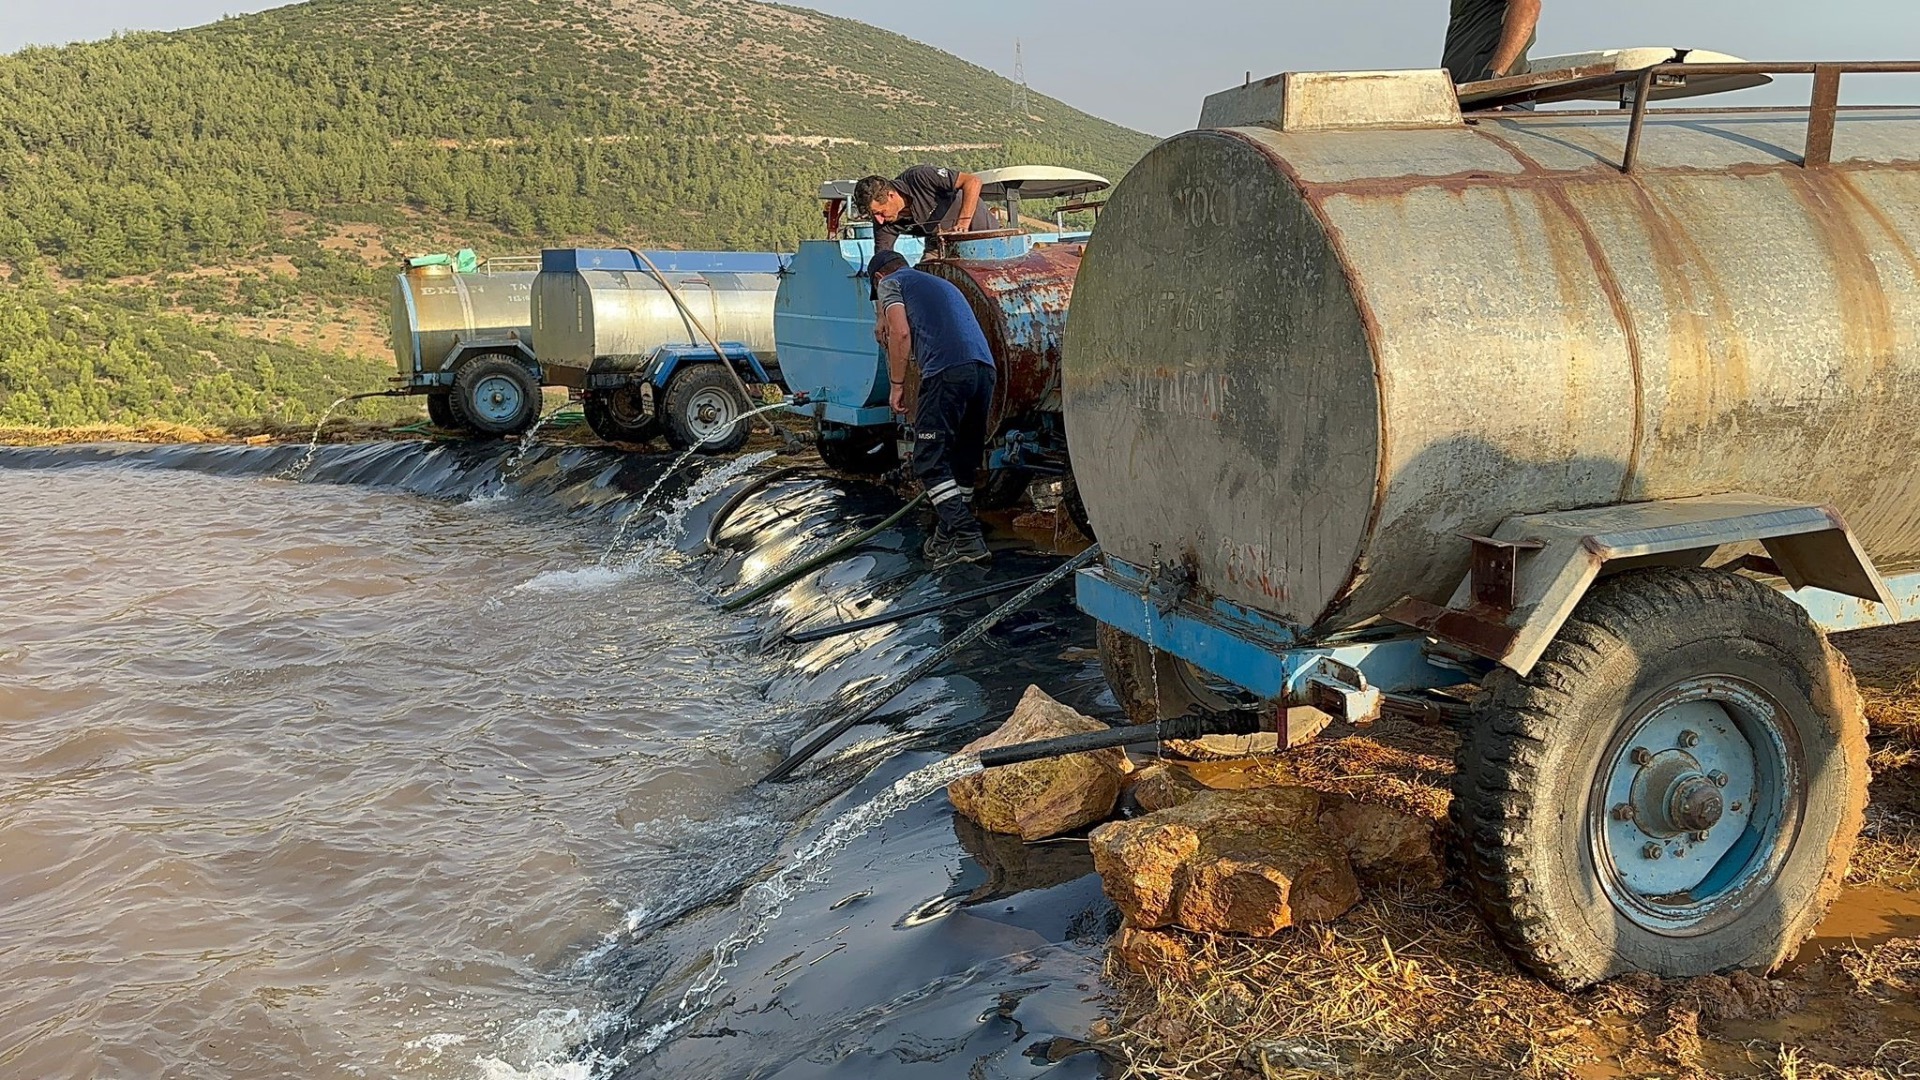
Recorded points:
(1608, 411)
(639, 347)
(442, 318)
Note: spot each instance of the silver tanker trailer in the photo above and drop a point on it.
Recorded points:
(639, 336)
(1611, 412)
(463, 336)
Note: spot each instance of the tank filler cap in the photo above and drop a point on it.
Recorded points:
(1337, 100)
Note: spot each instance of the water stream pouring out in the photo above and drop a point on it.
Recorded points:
(526, 441)
(763, 902)
(313, 443)
(640, 504)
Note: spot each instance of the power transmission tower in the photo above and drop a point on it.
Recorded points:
(1019, 101)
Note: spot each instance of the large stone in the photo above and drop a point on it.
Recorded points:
(1388, 848)
(1241, 862)
(1161, 786)
(1037, 799)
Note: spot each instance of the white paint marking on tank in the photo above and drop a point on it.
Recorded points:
(1200, 395)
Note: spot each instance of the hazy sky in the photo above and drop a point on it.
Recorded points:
(1148, 63)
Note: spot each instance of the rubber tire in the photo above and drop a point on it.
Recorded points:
(677, 403)
(468, 378)
(1534, 747)
(1152, 686)
(440, 413)
(1076, 507)
(854, 452)
(998, 489)
(605, 420)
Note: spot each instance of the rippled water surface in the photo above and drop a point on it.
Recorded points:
(323, 779)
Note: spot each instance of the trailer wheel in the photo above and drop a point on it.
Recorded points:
(1675, 788)
(703, 408)
(857, 450)
(1152, 686)
(440, 412)
(1075, 506)
(495, 394)
(619, 416)
(1000, 488)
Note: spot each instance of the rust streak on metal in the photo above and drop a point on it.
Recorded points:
(1866, 319)
(1622, 314)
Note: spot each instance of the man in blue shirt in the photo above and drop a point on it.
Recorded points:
(927, 320)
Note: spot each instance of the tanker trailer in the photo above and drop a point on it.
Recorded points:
(1018, 285)
(644, 351)
(1610, 412)
(462, 335)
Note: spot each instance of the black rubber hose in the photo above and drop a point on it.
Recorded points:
(865, 705)
(734, 500)
(787, 577)
(821, 633)
(1182, 727)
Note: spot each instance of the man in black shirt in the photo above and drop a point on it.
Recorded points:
(923, 201)
(1489, 39)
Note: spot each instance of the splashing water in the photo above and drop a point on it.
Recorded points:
(313, 444)
(526, 442)
(641, 504)
(764, 902)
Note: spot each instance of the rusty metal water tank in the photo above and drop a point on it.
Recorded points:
(1019, 290)
(1315, 342)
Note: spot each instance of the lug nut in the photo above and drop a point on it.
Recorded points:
(1641, 755)
(1689, 739)
(1719, 778)
(1652, 851)
(1625, 812)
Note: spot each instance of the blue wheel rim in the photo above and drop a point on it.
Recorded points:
(498, 399)
(1696, 805)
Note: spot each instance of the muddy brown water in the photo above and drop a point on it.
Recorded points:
(383, 774)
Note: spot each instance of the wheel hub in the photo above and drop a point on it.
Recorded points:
(498, 399)
(1693, 805)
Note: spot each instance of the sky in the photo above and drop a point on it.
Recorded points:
(1149, 63)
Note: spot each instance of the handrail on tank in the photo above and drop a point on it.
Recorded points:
(1822, 111)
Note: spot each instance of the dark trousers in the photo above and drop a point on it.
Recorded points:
(949, 437)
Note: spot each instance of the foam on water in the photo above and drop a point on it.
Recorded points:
(548, 1045)
(578, 579)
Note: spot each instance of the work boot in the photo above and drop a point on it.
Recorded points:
(936, 542)
(959, 547)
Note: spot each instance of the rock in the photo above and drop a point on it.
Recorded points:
(1014, 867)
(1146, 952)
(1160, 786)
(1304, 724)
(1038, 799)
(1241, 862)
(1388, 848)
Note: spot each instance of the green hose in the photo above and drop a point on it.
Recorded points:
(788, 577)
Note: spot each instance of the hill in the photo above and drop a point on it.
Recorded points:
(256, 180)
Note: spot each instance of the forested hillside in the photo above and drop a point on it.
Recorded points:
(170, 201)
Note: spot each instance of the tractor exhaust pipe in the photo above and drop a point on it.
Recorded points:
(1247, 722)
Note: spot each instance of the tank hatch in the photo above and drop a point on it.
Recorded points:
(1337, 100)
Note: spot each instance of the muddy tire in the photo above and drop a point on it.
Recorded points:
(440, 413)
(998, 489)
(619, 416)
(1152, 686)
(702, 407)
(860, 451)
(1075, 506)
(1675, 788)
(495, 394)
